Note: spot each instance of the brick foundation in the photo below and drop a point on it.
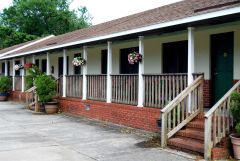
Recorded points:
(222, 151)
(141, 118)
(17, 96)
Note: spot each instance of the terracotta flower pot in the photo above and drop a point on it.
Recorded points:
(51, 107)
(3, 96)
(235, 138)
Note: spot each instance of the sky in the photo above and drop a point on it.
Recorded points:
(106, 10)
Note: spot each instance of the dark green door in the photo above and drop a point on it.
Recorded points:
(222, 63)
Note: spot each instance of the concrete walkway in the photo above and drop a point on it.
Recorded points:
(25, 136)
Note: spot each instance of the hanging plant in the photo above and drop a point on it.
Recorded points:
(79, 61)
(18, 66)
(134, 57)
(28, 65)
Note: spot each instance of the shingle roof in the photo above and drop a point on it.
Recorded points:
(175, 11)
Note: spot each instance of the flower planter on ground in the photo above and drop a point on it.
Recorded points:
(5, 86)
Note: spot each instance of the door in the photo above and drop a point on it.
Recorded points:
(222, 63)
(60, 66)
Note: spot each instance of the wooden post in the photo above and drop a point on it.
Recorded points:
(6, 68)
(64, 72)
(13, 75)
(163, 131)
(23, 75)
(84, 93)
(48, 64)
(33, 59)
(207, 138)
(140, 73)
(36, 102)
(109, 72)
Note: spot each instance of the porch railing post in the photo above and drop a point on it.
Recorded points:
(23, 74)
(48, 64)
(140, 73)
(190, 54)
(64, 72)
(33, 59)
(84, 93)
(6, 68)
(109, 72)
(13, 75)
(190, 61)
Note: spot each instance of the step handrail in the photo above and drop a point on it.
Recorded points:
(218, 118)
(182, 109)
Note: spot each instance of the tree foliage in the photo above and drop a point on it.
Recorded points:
(10, 37)
(44, 17)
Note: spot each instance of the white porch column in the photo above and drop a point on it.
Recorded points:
(13, 75)
(109, 72)
(6, 68)
(190, 54)
(48, 64)
(84, 92)
(64, 72)
(140, 73)
(33, 59)
(23, 74)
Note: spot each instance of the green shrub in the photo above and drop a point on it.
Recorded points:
(5, 84)
(235, 110)
(237, 127)
(33, 73)
(46, 88)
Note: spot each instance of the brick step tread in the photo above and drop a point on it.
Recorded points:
(200, 115)
(191, 133)
(187, 143)
(196, 124)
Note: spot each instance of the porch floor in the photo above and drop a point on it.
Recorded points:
(25, 136)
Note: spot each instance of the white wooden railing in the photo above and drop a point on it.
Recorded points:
(32, 98)
(160, 89)
(97, 87)
(182, 109)
(125, 88)
(218, 121)
(18, 83)
(74, 86)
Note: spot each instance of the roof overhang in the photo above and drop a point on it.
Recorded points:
(188, 20)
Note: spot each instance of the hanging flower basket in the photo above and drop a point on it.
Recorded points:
(79, 61)
(18, 66)
(28, 65)
(134, 58)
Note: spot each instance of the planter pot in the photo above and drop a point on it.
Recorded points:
(3, 96)
(236, 145)
(51, 107)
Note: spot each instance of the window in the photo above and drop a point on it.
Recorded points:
(60, 66)
(3, 68)
(44, 65)
(125, 67)
(175, 59)
(77, 69)
(104, 62)
(8, 66)
(37, 62)
(17, 72)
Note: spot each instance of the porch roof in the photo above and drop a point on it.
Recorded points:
(182, 12)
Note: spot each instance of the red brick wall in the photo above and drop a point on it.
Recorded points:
(141, 118)
(17, 96)
(207, 92)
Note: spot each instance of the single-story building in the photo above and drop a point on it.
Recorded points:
(190, 53)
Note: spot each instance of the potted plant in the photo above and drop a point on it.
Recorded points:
(79, 61)
(46, 91)
(235, 111)
(5, 86)
(134, 57)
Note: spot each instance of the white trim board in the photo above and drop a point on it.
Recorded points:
(138, 30)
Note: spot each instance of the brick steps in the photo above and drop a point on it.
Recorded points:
(187, 144)
(190, 138)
